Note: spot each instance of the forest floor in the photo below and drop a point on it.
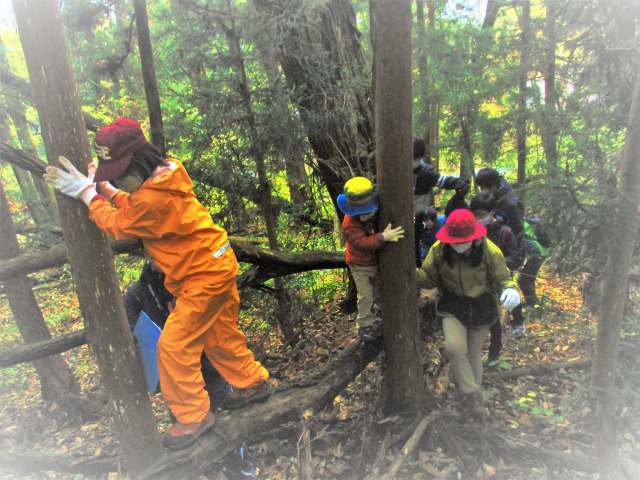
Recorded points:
(538, 427)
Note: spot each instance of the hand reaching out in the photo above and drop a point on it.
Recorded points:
(392, 234)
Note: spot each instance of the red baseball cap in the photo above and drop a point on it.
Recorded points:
(115, 145)
(461, 226)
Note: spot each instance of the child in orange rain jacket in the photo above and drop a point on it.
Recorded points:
(150, 197)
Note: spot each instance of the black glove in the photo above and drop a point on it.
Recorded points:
(462, 186)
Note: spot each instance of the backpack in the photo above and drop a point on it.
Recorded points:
(505, 231)
(543, 231)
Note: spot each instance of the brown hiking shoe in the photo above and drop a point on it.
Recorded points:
(239, 397)
(180, 434)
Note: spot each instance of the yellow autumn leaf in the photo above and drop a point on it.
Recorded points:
(489, 470)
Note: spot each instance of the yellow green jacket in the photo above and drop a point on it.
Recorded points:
(462, 279)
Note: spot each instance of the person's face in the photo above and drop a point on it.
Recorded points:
(483, 217)
(128, 183)
(366, 216)
(429, 223)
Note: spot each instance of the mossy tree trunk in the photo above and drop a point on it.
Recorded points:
(614, 291)
(64, 133)
(56, 380)
(405, 388)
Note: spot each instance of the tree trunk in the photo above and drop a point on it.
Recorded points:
(331, 95)
(56, 380)
(45, 193)
(35, 204)
(258, 154)
(614, 293)
(469, 115)
(548, 125)
(433, 130)
(149, 75)
(405, 388)
(63, 131)
(522, 114)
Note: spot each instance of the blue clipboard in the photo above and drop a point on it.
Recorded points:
(147, 333)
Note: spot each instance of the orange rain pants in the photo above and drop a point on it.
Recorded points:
(204, 318)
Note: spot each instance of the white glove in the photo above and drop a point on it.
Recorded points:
(105, 188)
(392, 234)
(71, 182)
(510, 298)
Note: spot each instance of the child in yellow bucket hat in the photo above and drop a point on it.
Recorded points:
(359, 203)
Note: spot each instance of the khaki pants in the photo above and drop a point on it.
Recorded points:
(464, 349)
(366, 279)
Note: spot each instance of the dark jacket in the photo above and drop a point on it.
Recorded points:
(362, 241)
(504, 238)
(509, 211)
(149, 294)
(427, 177)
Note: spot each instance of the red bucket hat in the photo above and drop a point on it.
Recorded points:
(115, 145)
(461, 227)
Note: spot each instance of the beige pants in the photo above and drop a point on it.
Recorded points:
(464, 349)
(366, 279)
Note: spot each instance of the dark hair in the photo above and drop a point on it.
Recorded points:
(145, 161)
(483, 201)
(488, 177)
(475, 257)
(419, 148)
(430, 213)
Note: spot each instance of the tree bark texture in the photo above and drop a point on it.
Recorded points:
(614, 292)
(56, 380)
(63, 131)
(44, 348)
(323, 62)
(405, 388)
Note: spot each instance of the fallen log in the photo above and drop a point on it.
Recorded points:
(52, 258)
(42, 462)
(540, 369)
(44, 348)
(269, 263)
(233, 428)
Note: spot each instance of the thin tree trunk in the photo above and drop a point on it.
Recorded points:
(149, 75)
(433, 130)
(45, 194)
(469, 115)
(35, 204)
(549, 117)
(405, 389)
(63, 131)
(522, 114)
(614, 292)
(257, 152)
(56, 380)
